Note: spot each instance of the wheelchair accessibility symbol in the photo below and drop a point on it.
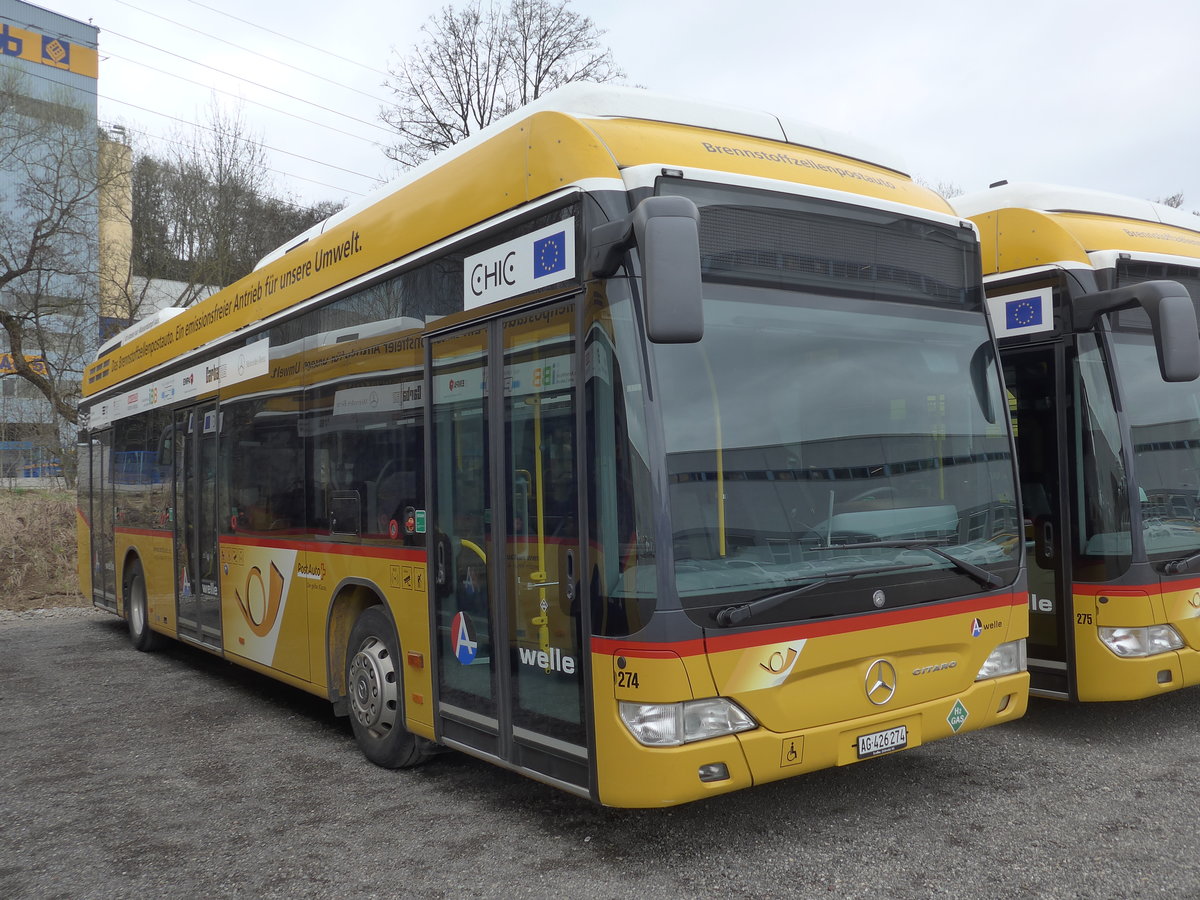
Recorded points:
(793, 752)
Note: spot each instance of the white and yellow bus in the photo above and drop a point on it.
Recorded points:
(1089, 295)
(650, 449)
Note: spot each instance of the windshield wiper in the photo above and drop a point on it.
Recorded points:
(1181, 565)
(743, 612)
(983, 576)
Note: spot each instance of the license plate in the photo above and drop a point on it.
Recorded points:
(885, 741)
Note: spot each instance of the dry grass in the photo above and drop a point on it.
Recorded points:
(37, 550)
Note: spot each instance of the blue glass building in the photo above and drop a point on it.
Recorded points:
(48, 126)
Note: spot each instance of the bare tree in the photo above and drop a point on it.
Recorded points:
(948, 190)
(1175, 201)
(221, 171)
(61, 184)
(549, 46)
(48, 253)
(478, 63)
(207, 212)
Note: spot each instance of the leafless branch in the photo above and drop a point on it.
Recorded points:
(478, 63)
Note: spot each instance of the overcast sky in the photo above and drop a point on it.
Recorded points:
(1088, 93)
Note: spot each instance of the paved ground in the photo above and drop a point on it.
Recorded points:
(176, 775)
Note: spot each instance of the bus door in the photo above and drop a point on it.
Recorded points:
(198, 603)
(104, 589)
(1035, 381)
(506, 551)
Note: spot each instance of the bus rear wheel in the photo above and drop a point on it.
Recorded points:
(136, 615)
(375, 687)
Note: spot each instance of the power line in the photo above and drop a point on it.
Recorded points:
(255, 83)
(284, 112)
(285, 201)
(98, 96)
(273, 59)
(264, 146)
(327, 52)
(318, 124)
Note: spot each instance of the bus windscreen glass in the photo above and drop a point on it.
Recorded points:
(841, 417)
(1164, 419)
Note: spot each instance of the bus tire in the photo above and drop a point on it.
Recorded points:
(136, 613)
(375, 687)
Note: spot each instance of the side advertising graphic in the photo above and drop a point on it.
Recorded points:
(254, 591)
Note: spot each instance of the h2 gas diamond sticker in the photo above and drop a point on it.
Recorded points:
(958, 715)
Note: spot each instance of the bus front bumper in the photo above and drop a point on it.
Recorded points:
(631, 775)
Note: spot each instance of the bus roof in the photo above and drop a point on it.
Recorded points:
(586, 100)
(1047, 224)
(1054, 198)
(138, 328)
(534, 153)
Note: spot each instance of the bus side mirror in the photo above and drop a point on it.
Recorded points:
(1176, 337)
(981, 364)
(668, 234)
(1172, 317)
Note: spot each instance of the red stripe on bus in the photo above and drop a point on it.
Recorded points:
(142, 532)
(408, 554)
(718, 643)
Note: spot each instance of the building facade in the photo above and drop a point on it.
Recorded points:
(50, 209)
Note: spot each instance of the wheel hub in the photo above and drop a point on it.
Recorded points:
(373, 692)
(136, 599)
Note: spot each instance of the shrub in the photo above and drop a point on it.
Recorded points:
(38, 549)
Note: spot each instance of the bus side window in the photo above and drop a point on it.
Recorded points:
(166, 446)
(395, 492)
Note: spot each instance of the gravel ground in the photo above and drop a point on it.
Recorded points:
(177, 775)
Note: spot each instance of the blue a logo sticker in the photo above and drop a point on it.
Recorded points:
(976, 628)
(462, 636)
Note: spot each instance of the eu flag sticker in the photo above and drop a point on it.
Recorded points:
(1024, 313)
(550, 255)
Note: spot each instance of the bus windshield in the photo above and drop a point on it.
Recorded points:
(841, 417)
(1164, 420)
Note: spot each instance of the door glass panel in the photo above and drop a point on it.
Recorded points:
(196, 557)
(104, 560)
(185, 528)
(542, 523)
(462, 523)
(206, 496)
(1030, 378)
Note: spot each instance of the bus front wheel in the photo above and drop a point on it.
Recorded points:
(375, 687)
(136, 615)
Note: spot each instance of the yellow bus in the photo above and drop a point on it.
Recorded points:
(1089, 298)
(648, 448)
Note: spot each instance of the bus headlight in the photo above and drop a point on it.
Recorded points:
(1147, 641)
(672, 724)
(1007, 659)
